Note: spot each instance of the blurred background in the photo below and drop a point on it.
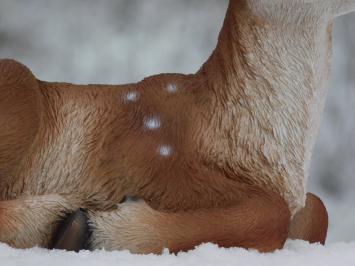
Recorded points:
(121, 41)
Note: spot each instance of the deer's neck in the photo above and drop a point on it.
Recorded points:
(267, 84)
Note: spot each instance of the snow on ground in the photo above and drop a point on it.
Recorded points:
(294, 253)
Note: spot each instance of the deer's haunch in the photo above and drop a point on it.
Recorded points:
(218, 156)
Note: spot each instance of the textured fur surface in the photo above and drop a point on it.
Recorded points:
(222, 154)
(272, 106)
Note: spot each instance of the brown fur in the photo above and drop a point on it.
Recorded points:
(141, 229)
(311, 223)
(65, 146)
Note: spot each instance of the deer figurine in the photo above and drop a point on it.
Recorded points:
(218, 156)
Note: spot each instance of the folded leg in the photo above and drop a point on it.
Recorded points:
(258, 222)
(311, 223)
(32, 221)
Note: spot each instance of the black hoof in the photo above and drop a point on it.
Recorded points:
(74, 233)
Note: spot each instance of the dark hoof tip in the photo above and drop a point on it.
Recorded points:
(74, 233)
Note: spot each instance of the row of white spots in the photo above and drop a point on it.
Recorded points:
(153, 122)
(133, 96)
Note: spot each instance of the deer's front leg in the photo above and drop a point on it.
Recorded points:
(257, 222)
(31, 221)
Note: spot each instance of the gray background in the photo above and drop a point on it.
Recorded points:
(123, 41)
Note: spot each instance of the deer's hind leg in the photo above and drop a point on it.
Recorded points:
(310, 223)
(33, 220)
(19, 113)
(258, 222)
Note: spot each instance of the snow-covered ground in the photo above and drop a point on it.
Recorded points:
(295, 253)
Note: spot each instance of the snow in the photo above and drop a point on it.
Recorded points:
(294, 253)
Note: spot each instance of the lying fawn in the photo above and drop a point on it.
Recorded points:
(218, 156)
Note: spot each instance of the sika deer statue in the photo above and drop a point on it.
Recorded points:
(218, 156)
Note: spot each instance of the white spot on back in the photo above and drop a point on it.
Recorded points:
(152, 123)
(165, 150)
(172, 88)
(132, 96)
